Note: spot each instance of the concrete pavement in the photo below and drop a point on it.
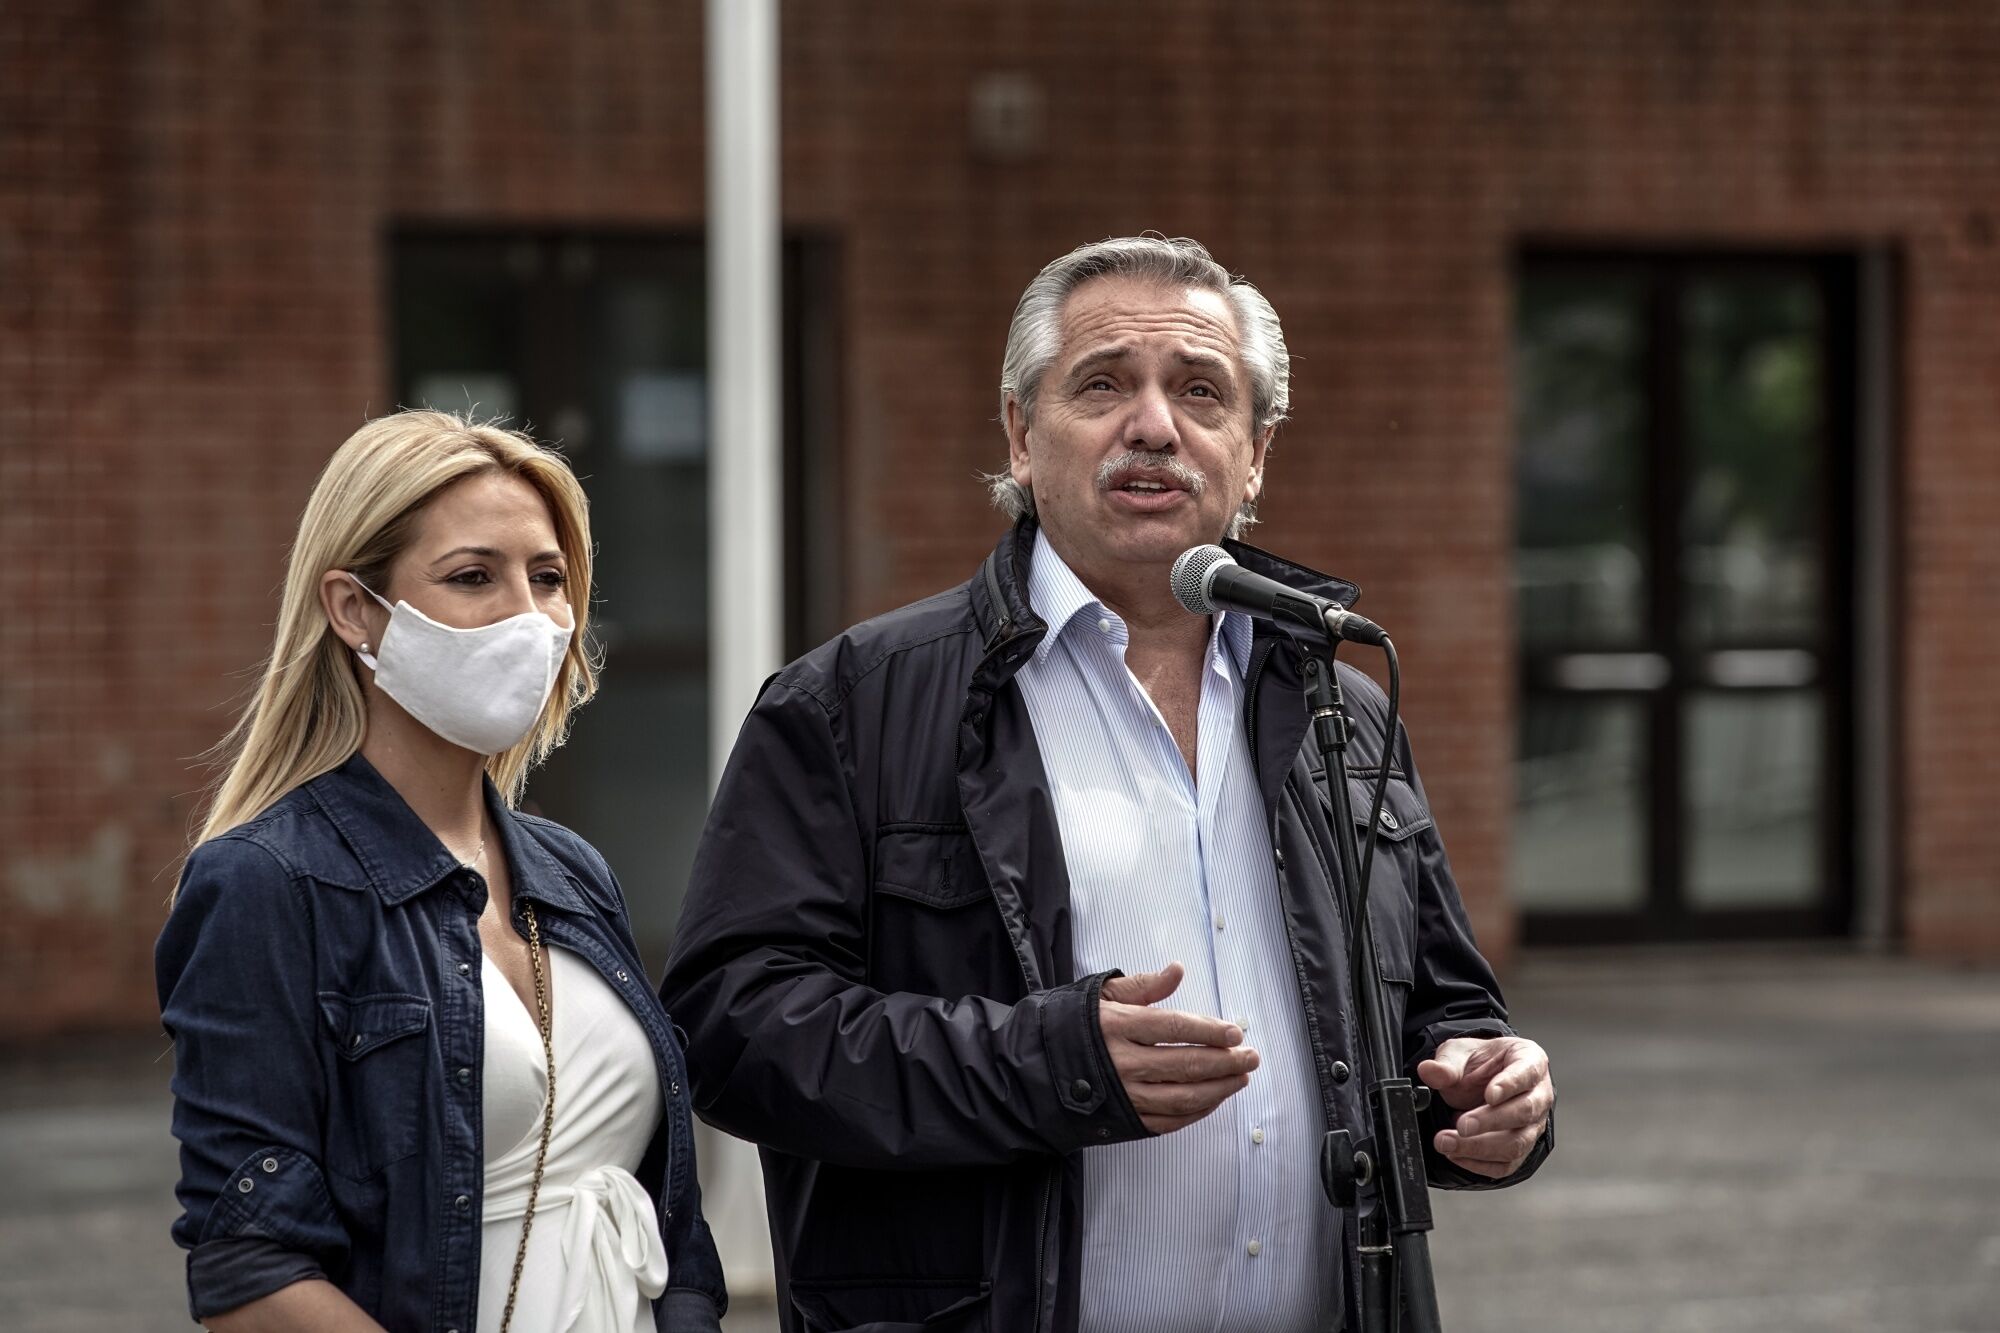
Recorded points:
(1748, 1139)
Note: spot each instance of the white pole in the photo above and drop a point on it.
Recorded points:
(745, 477)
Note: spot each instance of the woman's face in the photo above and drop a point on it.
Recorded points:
(483, 549)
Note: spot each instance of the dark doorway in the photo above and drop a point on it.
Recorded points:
(598, 343)
(1683, 566)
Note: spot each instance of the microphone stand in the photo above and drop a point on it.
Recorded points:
(1380, 1179)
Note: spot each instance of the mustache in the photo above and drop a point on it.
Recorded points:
(1118, 468)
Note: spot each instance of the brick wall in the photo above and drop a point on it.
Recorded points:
(193, 201)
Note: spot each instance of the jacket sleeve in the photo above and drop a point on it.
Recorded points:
(790, 1049)
(1455, 994)
(234, 968)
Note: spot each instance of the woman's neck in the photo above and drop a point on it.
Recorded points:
(443, 784)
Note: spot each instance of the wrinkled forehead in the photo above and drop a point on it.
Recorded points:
(1109, 314)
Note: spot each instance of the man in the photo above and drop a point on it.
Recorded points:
(1012, 938)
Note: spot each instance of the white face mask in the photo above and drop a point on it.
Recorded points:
(480, 689)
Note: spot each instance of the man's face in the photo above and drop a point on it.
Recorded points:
(1141, 444)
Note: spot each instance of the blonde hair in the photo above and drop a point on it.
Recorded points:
(309, 714)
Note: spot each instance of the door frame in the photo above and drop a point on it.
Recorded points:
(1664, 913)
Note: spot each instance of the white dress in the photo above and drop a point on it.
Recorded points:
(595, 1260)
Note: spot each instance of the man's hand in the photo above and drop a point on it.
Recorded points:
(1502, 1085)
(1176, 1067)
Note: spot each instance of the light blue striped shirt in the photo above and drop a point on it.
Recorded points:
(1220, 1226)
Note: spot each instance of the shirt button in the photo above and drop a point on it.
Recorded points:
(1080, 1090)
(269, 1164)
(463, 1203)
(1104, 625)
(1341, 1072)
(1254, 1248)
(1257, 1134)
(245, 1185)
(1220, 924)
(1244, 1023)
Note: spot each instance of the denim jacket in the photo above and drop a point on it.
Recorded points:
(320, 977)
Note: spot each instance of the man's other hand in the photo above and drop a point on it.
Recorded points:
(1176, 1067)
(1502, 1086)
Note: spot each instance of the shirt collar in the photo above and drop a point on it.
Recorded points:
(402, 857)
(1058, 596)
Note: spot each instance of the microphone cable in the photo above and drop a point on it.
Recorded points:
(1375, 811)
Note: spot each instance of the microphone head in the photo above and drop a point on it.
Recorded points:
(1192, 572)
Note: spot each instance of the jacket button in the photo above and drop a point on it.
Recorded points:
(1278, 858)
(1080, 1090)
(464, 1074)
(622, 976)
(674, 1088)
(465, 969)
(463, 1203)
(1341, 1073)
(269, 1164)
(245, 1185)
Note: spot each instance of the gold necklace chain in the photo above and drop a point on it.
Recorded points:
(548, 1111)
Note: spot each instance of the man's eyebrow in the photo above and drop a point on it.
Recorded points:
(1209, 361)
(1103, 356)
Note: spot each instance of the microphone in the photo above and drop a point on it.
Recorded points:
(1206, 580)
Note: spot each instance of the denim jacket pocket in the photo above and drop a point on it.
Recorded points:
(377, 1081)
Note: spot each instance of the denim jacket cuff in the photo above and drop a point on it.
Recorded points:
(226, 1274)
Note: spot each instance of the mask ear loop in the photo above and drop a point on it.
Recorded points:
(362, 652)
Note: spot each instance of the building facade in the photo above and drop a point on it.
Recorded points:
(1646, 379)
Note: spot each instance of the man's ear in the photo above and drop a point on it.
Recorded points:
(1017, 443)
(1259, 451)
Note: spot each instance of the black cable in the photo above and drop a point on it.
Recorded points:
(1375, 808)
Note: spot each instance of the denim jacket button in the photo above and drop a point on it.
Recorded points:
(465, 969)
(464, 1074)
(622, 976)
(245, 1185)
(269, 1164)
(463, 1202)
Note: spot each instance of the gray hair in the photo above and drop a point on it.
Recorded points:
(1035, 336)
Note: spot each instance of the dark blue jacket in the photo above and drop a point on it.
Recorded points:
(320, 977)
(875, 966)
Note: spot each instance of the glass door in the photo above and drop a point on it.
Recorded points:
(1684, 438)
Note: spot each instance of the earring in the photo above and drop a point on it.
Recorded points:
(364, 645)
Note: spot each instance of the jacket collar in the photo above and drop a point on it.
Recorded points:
(1002, 607)
(402, 857)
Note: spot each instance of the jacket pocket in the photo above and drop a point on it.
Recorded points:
(933, 927)
(892, 1305)
(1393, 880)
(378, 1079)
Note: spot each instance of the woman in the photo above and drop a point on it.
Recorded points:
(420, 1079)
